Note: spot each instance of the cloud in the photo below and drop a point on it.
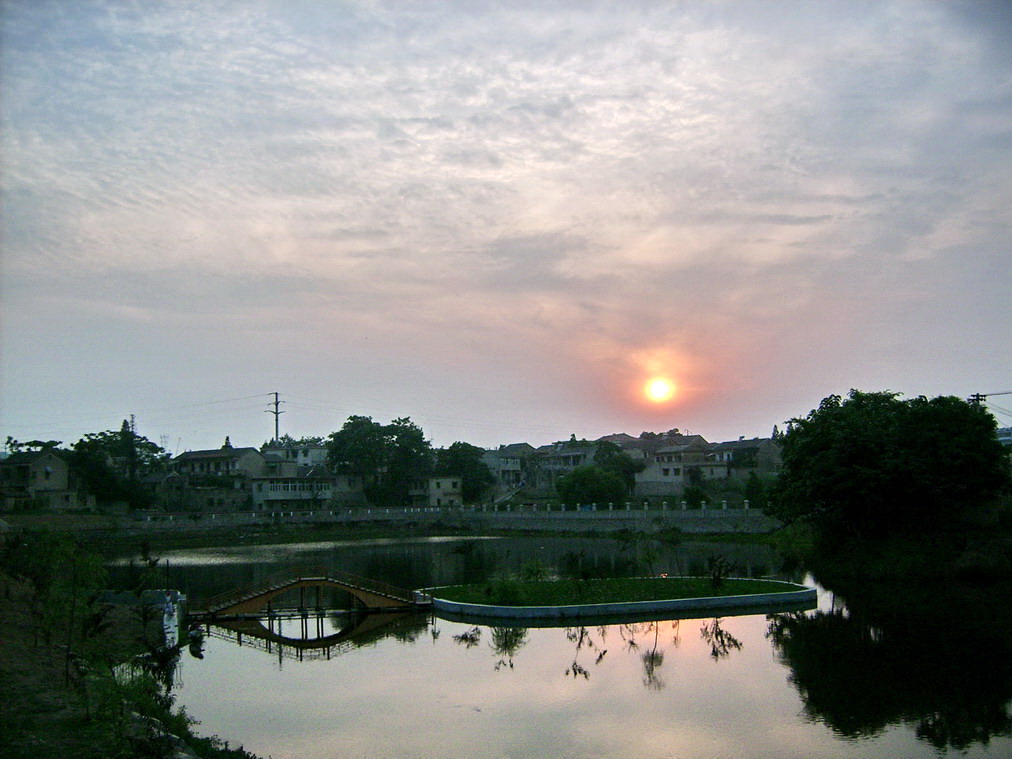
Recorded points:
(717, 185)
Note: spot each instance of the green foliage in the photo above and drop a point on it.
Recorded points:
(111, 464)
(718, 568)
(505, 590)
(465, 461)
(31, 446)
(609, 457)
(534, 570)
(756, 491)
(590, 484)
(873, 465)
(693, 495)
(388, 458)
(501, 588)
(66, 580)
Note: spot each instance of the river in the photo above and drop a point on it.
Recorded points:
(883, 671)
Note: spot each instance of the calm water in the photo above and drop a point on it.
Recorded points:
(889, 672)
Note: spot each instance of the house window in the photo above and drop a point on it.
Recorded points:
(665, 471)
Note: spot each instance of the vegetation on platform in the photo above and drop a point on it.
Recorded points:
(510, 590)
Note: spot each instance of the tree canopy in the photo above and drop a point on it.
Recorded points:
(465, 461)
(388, 458)
(590, 484)
(111, 464)
(609, 457)
(873, 464)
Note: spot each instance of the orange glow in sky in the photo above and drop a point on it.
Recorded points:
(659, 389)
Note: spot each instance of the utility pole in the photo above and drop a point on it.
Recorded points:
(277, 414)
(978, 398)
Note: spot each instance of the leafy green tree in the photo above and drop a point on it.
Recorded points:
(872, 464)
(359, 448)
(112, 463)
(410, 460)
(287, 441)
(755, 491)
(611, 458)
(388, 458)
(31, 446)
(590, 484)
(467, 462)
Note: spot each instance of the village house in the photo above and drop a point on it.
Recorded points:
(211, 480)
(437, 491)
(676, 463)
(550, 462)
(221, 461)
(742, 457)
(39, 480)
(507, 464)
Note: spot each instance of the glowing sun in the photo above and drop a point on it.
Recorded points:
(659, 389)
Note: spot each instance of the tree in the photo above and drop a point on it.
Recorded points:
(465, 461)
(359, 448)
(590, 484)
(388, 458)
(111, 464)
(874, 464)
(287, 441)
(611, 458)
(32, 446)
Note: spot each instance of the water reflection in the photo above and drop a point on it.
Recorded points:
(322, 634)
(938, 658)
(885, 671)
(506, 641)
(721, 641)
(616, 689)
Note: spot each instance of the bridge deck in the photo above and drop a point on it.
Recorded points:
(250, 598)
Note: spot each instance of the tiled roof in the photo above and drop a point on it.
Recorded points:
(732, 445)
(217, 453)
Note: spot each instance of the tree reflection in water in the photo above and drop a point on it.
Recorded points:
(468, 638)
(582, 638)
(938, 657)
(506, 641)
(721, 641)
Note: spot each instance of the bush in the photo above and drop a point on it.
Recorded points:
(505, 590)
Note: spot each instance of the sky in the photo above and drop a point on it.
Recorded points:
(500, 219)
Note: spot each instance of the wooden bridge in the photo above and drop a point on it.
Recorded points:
(256, 599)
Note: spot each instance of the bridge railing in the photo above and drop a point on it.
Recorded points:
(296, 574)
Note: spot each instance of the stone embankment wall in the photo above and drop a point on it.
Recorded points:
(698, 521)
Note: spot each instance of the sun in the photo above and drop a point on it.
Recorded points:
(659, 389)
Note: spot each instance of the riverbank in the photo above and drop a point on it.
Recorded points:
(85, 705)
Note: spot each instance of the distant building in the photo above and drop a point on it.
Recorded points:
(508, 464)
(669, 467)
(1005, 435)
(549, 462)
(742, 457)
(221, 461)
(211, 480)
(39, 480)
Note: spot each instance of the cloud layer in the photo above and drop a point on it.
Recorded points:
(497, 215)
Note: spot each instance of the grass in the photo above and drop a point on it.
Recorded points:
(510, 591)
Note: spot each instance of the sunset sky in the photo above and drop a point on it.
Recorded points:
(498, 218)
